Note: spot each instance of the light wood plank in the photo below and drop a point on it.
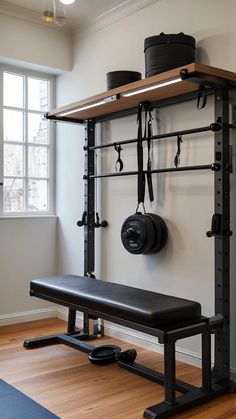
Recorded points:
(65, 382)
(165, 92)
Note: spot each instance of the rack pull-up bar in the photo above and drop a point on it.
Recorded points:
(214, 167)
(214, 127)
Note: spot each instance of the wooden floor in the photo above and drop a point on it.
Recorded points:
(65, 382)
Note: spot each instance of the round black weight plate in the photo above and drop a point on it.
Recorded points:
(161, 232)
(150, 235)
(164, 233)
(137, 234)
(104, 354)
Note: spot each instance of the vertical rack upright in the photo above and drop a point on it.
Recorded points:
(221, 369)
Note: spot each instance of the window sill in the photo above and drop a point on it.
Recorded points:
(24, 216)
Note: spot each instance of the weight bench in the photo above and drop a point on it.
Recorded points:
(166, 317)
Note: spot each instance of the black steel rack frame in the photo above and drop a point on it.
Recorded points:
(217, 380)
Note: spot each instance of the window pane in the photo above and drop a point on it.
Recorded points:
(37, 129)
(13, 195)
(37, 94)
(13, 125)
(13, 90)
(38, 162)
(13, 160)
(38, 195)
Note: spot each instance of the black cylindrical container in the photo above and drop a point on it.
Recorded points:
(166, 51)
(119, 78)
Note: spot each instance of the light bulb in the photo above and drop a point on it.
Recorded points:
(67, 1)
(48, 11)
(60, 14)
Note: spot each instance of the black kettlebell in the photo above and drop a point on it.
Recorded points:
(144, 233)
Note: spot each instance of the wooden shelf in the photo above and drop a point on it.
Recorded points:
(113, 100)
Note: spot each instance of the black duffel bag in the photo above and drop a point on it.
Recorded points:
(166, 51)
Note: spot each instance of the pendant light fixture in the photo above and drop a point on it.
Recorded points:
(59, 14)
(48, 11)
(54, 11)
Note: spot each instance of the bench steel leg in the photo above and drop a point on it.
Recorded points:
(71, 320)
(169, 366)
(206, 360)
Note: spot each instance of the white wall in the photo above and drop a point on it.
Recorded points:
(185, 267)
(28, 245)
(27, 251)
(30, 43)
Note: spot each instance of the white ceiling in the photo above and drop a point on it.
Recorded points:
(78, 14)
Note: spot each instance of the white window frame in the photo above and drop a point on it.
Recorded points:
(51, 145)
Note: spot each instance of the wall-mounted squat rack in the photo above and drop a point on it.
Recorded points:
(172, 87)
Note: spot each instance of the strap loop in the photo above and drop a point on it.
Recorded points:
(119, 163)
(137, 208)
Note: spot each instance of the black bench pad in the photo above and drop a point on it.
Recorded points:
(128, 303)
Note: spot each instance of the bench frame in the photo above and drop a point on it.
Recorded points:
(192, 395)
(214, 381)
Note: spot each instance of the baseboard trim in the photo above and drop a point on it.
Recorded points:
(28, 316)
(233, 374)
(62, 313)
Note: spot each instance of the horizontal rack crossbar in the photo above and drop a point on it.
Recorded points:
(214, 127)
(214, 167)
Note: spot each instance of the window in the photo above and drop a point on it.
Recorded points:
(27, 151)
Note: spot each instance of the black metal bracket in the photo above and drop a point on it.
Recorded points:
(83, 221)
(216, 227)
(63, 119)
(201, 79)
(98, 224)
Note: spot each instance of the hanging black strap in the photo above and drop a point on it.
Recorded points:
(202, 97)
(177, 156)
(141, 174)
(149, 161)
